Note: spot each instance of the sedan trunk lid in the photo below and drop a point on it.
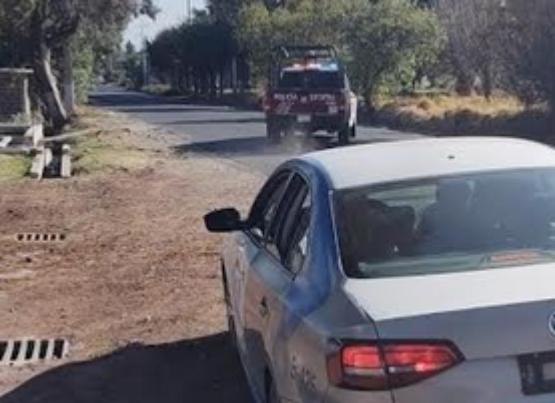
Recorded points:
(488, 313)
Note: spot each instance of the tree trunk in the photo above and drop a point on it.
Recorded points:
(212, 76)
(68, 80)
(197, 82)
(146, 68)
(222, 81)
(188, 80)
(48, 87)
(464, 84)
(487, 83)
(551, 116)
(368, 95)
(234, 75)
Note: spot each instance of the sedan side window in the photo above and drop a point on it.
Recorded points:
(293, 230)
(266, 205)
(297, 250)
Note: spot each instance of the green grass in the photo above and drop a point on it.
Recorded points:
(13, 168)
(96, 155)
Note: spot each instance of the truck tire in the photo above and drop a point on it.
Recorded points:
(344, 135)
(273, 131)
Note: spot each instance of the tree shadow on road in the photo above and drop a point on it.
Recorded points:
(258, 146)
(205, 370)
(217, 121)
(166, 108)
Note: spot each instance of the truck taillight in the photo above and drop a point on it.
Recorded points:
(389, 365)
(265, 103)
(341, 100)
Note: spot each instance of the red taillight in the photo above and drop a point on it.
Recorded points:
(341, 100)
(265, 103)
(380, 366)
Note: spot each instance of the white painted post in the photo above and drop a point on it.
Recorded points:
(65, 162)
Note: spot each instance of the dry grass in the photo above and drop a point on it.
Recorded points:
(114, 144)
(439, 106)
(106, 152)
(472, 115)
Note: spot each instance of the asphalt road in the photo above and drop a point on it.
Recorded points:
(224, 131)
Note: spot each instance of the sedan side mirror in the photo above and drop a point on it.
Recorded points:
(226, 220)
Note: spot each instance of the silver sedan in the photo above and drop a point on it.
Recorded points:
(410, 272)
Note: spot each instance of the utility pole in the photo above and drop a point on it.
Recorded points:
(189, 11)
(146, 66)
(145, 56)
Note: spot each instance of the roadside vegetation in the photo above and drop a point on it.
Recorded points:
(501, 115)
(67, 43)
(488, 62)
(108, 148)
(13, 168)
(493, 49)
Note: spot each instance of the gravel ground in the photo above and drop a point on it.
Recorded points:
(135, 287)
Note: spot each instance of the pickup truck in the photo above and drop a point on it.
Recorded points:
(309, 91)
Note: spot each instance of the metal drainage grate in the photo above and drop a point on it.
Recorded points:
(37, 237)
(28, 351)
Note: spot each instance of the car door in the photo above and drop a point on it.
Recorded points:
(250, 245)
(270, 276)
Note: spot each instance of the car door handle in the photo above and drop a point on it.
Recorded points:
(263, 308)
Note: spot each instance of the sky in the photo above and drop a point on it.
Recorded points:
(173, 12)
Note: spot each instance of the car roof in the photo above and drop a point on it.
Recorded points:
(350, 167)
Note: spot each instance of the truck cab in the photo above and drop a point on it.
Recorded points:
(309, 91)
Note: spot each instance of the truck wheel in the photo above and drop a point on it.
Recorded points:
(344, 135)
(273, 131)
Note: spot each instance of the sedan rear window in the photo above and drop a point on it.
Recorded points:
(447, 224)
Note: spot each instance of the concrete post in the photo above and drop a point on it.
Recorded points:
(65, 162)
(14, 94)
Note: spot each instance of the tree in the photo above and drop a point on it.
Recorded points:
(529, 51)
(300, 22)
(132, 64)
(382, 42)
(226, 11)
(195, 55)
(474, 29)
(388, 40)
(43, 27)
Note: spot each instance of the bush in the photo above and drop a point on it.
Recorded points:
(384, 43)
(529, 53)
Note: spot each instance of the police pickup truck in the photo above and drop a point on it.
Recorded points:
(309, 91)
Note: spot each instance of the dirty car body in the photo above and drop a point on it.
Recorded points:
(361, 277)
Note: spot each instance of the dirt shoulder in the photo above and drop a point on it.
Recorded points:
(137, 266)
